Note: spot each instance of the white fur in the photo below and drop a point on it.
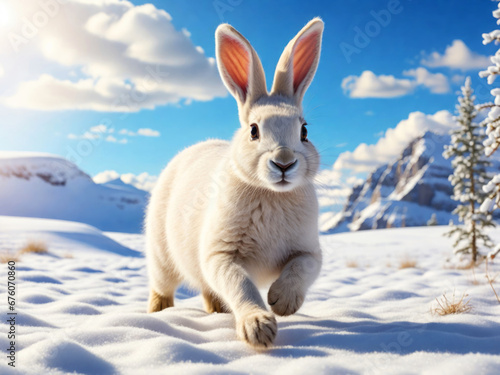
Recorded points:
(220, 221)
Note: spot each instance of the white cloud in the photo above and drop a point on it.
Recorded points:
(143, 181)
(144, 132)
(127, 57)
(437, 83)
(369, 85)
(127, 132)
(105, 176)
(148, 132)
(366, 157)
(333, 187)
(2, 71)
(98, 132)
(458, 79)
(90, 135)
(112, 139)
(101, 129)
(457, 56)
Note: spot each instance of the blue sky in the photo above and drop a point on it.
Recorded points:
(340, 118)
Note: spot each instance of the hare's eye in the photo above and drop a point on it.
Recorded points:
(303, 133)
(254, 132)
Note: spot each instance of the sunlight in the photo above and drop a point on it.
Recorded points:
(6, 15)
(49, 46)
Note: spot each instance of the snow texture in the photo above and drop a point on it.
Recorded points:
(81, 309)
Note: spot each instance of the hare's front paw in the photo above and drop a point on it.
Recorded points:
(285, 298)
(258, 329)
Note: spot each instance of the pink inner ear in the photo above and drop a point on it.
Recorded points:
(304, 54)
(236, 60)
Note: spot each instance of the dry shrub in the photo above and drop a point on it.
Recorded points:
(447, 307)
(36, 247)
(407, 263)
(352, 264)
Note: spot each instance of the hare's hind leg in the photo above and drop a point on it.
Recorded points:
(163, 284)
(213, 303)
(157, 302)
(163, 276)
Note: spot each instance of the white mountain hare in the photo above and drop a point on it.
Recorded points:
(229, 217)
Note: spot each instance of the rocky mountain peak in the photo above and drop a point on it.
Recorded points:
(405, 192)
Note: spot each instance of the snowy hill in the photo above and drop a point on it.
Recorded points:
(81, 309)
(48, 186)
(406, 192)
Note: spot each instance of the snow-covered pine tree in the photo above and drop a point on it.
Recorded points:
(492, 143)
(433, 220)
(469, 175)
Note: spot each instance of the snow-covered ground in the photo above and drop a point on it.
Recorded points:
(81, 310)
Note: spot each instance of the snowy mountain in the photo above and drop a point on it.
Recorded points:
(48, 186)
(119, 184)
(406, 192)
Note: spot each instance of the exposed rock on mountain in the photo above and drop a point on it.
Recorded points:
(406, 192)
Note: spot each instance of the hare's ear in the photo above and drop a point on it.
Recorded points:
(239, 65)
(298, 62)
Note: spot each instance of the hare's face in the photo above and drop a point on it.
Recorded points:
(273, 150)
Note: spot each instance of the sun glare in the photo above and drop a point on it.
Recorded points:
(6, 15)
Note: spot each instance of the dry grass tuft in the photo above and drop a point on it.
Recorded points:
(447, 307)
(7, 257)
(491, 280)
(33, 247)
(36, 247)
(407, 263)
(351, 264)
(467, 266)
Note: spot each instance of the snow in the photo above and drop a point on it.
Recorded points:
(492, 143)
(64, 237)
(405, 192)
(49, 186)
(81, 310)
(25, 155)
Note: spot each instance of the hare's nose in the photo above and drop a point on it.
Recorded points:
(283, 167)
